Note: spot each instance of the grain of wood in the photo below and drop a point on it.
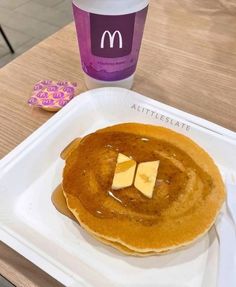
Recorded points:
(187, 60)
(22, 273)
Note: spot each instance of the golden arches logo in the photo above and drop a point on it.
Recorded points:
(111, 37)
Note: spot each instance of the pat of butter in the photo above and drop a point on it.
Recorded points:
(124, 172)
(146, 177)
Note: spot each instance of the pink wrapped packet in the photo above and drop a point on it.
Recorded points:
(52, 95)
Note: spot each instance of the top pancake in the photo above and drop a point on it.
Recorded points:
(187, 196)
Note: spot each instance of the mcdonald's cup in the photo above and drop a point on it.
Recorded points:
(109, 39)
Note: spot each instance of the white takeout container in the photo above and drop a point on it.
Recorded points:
(30, 224)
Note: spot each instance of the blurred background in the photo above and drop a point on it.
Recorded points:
(26, 22)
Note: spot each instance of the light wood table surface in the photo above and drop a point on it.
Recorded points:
(187, 60)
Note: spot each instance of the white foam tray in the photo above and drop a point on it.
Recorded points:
(30, 224)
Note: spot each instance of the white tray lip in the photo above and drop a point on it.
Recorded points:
(192, 119)
(31, 252)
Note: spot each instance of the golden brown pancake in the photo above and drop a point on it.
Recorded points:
(188, 193)
(69, 148)
(59, 201)
(60, 204)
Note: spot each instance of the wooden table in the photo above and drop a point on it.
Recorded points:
(188, 60)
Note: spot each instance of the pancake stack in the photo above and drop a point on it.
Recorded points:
(187, 195)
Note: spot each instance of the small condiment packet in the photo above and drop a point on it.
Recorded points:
(52, 95)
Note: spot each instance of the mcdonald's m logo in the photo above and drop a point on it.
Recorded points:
(111, 36)
(111, 39)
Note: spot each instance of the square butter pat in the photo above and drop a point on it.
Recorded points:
(124, 172)
(146, 177)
